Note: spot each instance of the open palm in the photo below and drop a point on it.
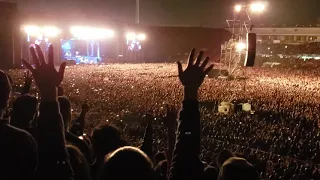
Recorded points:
(193, 76)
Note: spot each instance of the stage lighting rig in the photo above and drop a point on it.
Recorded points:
(91, 33)
(134, 36)
(239, 26)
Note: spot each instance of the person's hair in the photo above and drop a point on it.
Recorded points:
(65, 110)
(161, 170)
(127, 162)
(223, 156)
(23, 111)
(5, 89)
(210, 173)
(105, 139)
(235, 168)
(79, 164)
(160, 156)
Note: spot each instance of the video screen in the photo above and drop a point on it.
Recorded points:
(81, 51)
(134, 45)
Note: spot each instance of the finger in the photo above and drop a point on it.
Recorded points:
(40, 55)
(50, 55)
(208, 69)
(180, 70)
(28, 65)
(205, 62)
(34, 57)
(199, 58)
(61, 71)
(191, 57)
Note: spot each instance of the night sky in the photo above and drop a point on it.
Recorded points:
(176, 12)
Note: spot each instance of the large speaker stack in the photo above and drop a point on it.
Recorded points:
(251, 49)
(10, 42)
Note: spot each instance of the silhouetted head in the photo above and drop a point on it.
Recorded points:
(127, 163)
(161, 170)
(5, 89)
(236, 168)
(24, 109)
(105, 139)
(79, 164)
(210, 173)
(223, 156)
(65, 110)
(160, 156)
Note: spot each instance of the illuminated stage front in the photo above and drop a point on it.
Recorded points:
(81, 51)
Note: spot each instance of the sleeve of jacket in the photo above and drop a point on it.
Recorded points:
(185, 162)
(53, 157)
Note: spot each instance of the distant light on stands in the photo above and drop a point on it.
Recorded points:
(50, 31)
(134, 36)
(141, 37)
(131, 35)
(238, 8)
(240, 46)
(47, 31)
(257, 7)
(32, 30)
(86, 33)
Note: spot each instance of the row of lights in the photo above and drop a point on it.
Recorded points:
(255, 7)
(80, 32)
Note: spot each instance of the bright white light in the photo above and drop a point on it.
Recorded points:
(238, 8)
(50, 31)
(131, 36)
(32, 30)
(47, 31)
(141, 37)
(257, 7)
(240, 46)
(134, 36)
(91, 33)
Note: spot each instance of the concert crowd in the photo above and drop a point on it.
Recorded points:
(158, 122)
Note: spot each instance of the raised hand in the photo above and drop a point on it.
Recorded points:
(85, 107)
(170, 118)
(193, 76)
(27, 82)
(45, 75)
(28, 77)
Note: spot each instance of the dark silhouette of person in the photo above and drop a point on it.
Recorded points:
(18, 149)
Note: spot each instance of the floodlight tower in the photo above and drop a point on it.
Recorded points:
(240, 25)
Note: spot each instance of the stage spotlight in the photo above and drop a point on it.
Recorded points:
(257, 7)
(32, 30)
(89, 33)
(240, 46)
(131, 36)
(141, 37)
(238, 8)
(50, 31)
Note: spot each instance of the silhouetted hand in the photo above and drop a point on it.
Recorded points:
(149, 118)
(85, 107)
(27, 82)
(170, 118)
(45, 75)
(193, 76)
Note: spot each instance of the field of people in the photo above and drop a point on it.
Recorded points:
(283, 130)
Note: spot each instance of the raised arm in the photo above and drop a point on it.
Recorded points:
(27, 83)
(170, 122)
(77, 127)
(147, 144)
(186, 163)
(53, 157)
